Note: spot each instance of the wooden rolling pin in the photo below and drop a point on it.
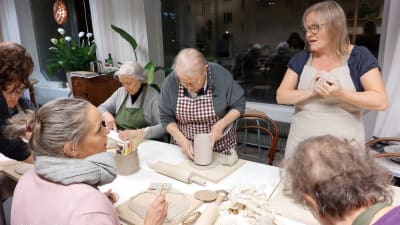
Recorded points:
(211, 213)
(176, 173)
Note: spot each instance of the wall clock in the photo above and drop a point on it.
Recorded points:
(60, 12)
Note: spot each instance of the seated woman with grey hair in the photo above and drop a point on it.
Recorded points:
(133, 108)
(69, 142)
(339, 184)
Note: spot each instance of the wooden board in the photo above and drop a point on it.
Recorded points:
(130, 217)
(214, 174)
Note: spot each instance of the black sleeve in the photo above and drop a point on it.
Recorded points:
(14, 149)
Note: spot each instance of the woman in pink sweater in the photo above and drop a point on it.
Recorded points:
(69, 141)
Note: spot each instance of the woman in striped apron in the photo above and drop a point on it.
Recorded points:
(200, 97)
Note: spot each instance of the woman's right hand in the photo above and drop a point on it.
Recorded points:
(108, 118)
(187, 147)
(157, 212)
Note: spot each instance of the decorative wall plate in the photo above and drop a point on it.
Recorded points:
(60, 12)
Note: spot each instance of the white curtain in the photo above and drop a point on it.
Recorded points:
(388, 122)
(126, 14)
(9, 22)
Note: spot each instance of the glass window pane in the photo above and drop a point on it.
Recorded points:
(254, 39)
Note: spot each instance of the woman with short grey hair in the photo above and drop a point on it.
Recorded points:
(133, 108)
(339, 185)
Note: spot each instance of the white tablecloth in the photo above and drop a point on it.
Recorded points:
(256, 174)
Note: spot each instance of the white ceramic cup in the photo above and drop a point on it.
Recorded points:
(203, 153)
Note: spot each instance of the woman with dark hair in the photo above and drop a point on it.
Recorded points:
(339, 185)
(16, 66)
(69, 140)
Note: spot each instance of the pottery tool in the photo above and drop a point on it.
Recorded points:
(177, 173)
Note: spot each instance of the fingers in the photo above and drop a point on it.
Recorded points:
(127, 134)
(112, 196)
(161, 205)
(111, 125)
(213, 139)
(109, 120)
(189, 151)
(157, 212)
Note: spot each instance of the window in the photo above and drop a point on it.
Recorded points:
(251, 46)
(45, 28)
(227, 18)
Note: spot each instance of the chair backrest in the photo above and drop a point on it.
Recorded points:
(375, 147)
(258, 121)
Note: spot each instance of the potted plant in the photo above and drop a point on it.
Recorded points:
(70, 55)
(150, 67)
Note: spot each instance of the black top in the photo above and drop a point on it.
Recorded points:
(15, 149)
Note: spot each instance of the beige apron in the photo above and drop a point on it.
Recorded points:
(320, 116)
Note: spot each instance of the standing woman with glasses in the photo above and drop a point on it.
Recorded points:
(16, 66)
(331, 82)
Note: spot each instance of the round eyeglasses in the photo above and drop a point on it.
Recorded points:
(313, 28)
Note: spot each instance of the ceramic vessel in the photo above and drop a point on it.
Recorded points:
(203, 153)
(127, 164)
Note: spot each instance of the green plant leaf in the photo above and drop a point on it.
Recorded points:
(150, 72)
(127, 37)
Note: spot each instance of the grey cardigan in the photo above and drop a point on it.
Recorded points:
(227, 94)
(150, 108)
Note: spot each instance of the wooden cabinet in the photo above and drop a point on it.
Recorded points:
(95, 89)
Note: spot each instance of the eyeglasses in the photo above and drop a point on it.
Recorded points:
(313, 28)
(15, 91)
(192, 83)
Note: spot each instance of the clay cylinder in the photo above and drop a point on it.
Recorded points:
(203, 153)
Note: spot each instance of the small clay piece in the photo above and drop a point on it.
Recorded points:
(224, 194)
(206, 195)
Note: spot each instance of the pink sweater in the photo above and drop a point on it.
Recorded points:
(38, 201)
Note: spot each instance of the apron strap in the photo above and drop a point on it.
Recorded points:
(366, 216)
(144, 96)
(123, 103)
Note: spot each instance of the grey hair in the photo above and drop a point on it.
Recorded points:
(337, 175)
(54, 124)
(335, 20)
(133, 70)
(190, 60)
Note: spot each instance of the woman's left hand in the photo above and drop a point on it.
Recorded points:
(329, 88)
(216, 132)
(112, 196)
(129, 134)
(26, 136)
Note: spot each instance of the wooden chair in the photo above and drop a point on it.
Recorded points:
(267, 131)
(387, 159)
(382, 142)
